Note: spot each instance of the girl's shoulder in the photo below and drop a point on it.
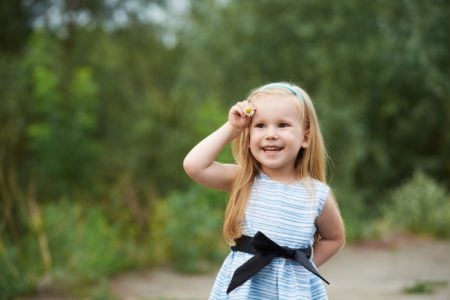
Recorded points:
(322, 192)
(319, 191)
(319, 188)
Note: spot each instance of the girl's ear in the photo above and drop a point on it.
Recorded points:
(305, 142)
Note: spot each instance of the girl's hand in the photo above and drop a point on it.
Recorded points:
(241, 114)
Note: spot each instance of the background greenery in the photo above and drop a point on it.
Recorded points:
(100, 101)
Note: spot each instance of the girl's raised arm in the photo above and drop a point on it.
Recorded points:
(200, 162)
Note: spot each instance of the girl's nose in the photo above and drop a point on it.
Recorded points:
(271, 133)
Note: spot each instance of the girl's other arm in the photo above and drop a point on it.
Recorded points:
(331, 229)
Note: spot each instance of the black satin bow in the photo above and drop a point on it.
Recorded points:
(265, 251)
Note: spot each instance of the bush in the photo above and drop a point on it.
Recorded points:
(420, 206)
(187, 229)
(20, 267)
(84, 248)
(82, 241)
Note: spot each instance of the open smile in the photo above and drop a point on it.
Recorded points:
(272, 148)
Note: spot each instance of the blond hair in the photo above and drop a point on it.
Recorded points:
(311, 161)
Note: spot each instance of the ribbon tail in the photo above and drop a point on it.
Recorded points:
(248, 269)
(304, 261)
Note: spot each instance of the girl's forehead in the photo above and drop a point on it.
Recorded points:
(273, 105)
(280, 100)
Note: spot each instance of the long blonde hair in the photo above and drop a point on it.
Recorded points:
(311, 161)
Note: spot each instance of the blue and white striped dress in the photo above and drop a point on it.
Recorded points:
(286, 214)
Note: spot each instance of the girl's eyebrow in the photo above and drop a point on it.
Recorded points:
(257, 121)
(256, 117)
(277, 119)
(284, 119)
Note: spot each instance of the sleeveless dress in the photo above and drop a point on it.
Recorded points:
(285, 214)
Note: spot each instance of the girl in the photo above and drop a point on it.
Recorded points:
(279, 203)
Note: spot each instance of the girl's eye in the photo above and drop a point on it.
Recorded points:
(283, 125)
(259, 125)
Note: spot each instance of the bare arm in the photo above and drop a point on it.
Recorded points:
(200, 162)
(331, 229)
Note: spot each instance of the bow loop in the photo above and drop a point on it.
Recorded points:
(264, 245)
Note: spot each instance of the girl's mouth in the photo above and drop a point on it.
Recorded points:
(272, 148)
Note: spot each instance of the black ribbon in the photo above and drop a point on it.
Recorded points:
(265, 250)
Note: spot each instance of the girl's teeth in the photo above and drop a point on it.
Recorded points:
(271, 148)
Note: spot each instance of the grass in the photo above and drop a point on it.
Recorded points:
(425, 287)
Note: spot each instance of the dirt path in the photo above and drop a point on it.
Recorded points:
(369, 272)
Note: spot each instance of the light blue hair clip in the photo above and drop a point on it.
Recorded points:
(285, 86)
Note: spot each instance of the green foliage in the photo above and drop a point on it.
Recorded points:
(425, 287)
(20, 268)
(356, 220)
(376, 77)
(84, 248)
(189, 228)
(102, 111)
(420, 205)
(82, 240)
(62, 119)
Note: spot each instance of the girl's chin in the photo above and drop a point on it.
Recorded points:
(276, 167)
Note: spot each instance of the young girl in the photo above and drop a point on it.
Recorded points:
(279, 205)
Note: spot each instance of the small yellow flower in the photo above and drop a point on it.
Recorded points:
(249, 111)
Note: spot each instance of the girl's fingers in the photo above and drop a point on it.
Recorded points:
(237, 110)
(241, 106)
(241, 113)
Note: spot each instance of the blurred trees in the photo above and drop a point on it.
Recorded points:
(378, 72)
(100, 100)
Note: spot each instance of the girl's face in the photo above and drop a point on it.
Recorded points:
(277, 133)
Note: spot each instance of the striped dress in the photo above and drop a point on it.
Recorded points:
(286, 214)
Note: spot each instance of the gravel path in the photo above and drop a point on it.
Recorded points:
(370, 272)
